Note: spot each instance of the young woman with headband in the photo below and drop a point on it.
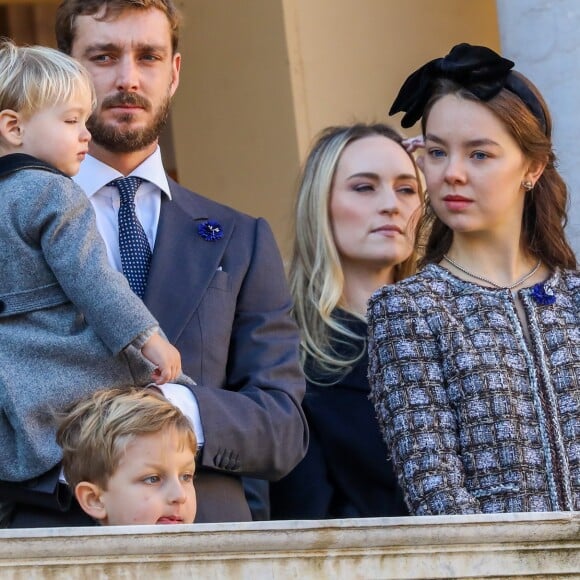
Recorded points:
(475, 361)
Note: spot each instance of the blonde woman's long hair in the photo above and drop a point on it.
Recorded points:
(315, 275)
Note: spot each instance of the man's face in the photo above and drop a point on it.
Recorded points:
(135, 74)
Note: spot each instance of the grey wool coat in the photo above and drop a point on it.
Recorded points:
(69, 323)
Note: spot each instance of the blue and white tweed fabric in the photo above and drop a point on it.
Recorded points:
(478, 417)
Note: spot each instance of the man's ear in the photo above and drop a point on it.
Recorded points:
(89, 497)
(175, 68)
(11, 127)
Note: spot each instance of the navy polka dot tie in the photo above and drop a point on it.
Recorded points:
(133, 243)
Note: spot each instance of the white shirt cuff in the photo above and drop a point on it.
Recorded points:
(185, 400)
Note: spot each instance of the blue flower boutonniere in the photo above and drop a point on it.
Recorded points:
(210, 231)
(543, 294)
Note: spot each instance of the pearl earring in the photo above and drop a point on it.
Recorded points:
(527, 185)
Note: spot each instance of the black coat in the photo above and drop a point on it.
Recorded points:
(346, 472)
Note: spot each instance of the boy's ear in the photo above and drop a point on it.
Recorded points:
(89, 497)
(10, 127)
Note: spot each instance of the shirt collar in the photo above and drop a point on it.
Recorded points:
(94, 174)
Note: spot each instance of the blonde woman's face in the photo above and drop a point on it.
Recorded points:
(374, 195)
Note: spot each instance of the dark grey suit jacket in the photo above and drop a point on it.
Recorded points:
(225, 305)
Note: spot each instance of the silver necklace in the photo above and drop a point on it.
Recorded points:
(514, 285)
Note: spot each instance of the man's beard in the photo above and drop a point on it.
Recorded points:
(122, 140)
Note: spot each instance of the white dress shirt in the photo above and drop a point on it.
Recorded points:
(93, 178)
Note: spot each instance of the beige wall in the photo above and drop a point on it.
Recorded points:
(262, 77)
(353, 55)
(233, 120)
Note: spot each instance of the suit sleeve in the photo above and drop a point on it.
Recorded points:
(408, 389)
(255, 426)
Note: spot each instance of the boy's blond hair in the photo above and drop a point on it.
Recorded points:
(33, 78)
(95, 432)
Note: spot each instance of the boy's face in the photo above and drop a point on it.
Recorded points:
(58, 134)
(153, 483)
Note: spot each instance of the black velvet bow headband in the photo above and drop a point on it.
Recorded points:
(478, 69)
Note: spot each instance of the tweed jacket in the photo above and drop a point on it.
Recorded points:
(478, 417)
(66, 317)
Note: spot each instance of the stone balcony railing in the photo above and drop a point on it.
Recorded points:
(499, 546)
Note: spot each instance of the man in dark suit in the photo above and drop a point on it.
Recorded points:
(216, 282)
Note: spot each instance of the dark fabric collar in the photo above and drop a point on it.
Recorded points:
(353, 378)
(18, 161)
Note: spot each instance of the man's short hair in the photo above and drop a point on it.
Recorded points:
(68, 11)
(94, 433)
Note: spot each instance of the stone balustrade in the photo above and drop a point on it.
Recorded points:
(539, 545)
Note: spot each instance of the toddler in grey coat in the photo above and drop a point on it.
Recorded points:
(69, 323)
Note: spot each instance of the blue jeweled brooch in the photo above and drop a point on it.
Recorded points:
(543, 294)
(210, 231)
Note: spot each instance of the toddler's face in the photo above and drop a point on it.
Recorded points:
(153, 483)
(58, 134)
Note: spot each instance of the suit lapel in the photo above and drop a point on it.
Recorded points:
(183, 263)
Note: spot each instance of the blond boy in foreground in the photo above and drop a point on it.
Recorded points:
(129, 458)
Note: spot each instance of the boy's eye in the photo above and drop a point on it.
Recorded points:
(187, 477)
(151, 479)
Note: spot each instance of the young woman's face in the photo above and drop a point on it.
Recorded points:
(374, 194)
(473, 169)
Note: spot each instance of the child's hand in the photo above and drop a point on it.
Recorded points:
(167, 358)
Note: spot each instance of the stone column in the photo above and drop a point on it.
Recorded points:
(541, 36)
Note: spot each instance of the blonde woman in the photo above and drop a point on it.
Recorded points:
(359, 193)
